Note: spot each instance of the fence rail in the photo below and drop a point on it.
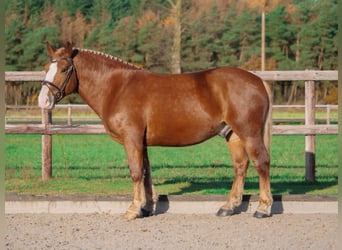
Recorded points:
(293, 75)
(46, 129)
(70, 119)
(99, 129)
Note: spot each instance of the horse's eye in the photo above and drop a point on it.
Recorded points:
(63, 70)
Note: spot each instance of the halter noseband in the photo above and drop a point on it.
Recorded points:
(60, 93)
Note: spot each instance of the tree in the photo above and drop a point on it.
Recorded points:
(14, 33)
(124, 40)
(167, 36)
(101, 13)
(148, 40)
(80, 29)
(280, 36)
(34, 54)
(229, 39)
(153, 41)
(71, 7)
(195, 56)
(245, 30)
(176, 14)
(214, 30)
(327, 26)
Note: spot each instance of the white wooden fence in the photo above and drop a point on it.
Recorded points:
(309, 130)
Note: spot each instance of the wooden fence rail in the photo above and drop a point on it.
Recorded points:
(46, 129)
(307, 75)
(99, 129)
(70, 119)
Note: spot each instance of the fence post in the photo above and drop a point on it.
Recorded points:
(46, 147)
(69, 115)
(310, 139)
(328, 114)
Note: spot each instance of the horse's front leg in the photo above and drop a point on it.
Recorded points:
(134, 151)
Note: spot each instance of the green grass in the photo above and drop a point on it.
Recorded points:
(322, 114)
(94, 164)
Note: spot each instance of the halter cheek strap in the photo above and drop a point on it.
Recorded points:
(60, 93)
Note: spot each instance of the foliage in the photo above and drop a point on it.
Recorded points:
(299, 34)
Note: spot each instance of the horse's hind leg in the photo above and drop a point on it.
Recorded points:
(261, 160)
(151, 194)
(240, 163)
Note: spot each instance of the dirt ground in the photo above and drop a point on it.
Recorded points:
(170, 231)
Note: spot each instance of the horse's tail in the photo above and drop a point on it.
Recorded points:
(268, 122)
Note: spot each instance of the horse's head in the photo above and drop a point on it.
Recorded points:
(61, 77)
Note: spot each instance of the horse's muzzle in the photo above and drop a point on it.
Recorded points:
(45, 99)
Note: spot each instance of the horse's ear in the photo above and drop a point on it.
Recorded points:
(68, 48)
(74, 53)
(51, 50)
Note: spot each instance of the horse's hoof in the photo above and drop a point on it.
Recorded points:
(132, 216)
(146, 213)
(224, 212)
(260, 215)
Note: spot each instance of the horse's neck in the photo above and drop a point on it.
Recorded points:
(94, 86)
(95, 71)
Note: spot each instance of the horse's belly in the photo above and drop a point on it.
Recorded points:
(180, 134)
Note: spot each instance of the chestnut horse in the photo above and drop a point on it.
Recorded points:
(140, 109)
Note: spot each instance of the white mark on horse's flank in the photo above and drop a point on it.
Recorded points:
(45, 100)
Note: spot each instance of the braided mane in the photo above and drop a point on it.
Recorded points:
(114, 58)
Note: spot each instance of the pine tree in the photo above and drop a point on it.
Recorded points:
(14, 33)
(101, 13)
(214, 32)
(154, 45)
(15, 30)
(196, 56)
(124, 40)
(229, 39)
(80, 29)
(280, 37)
